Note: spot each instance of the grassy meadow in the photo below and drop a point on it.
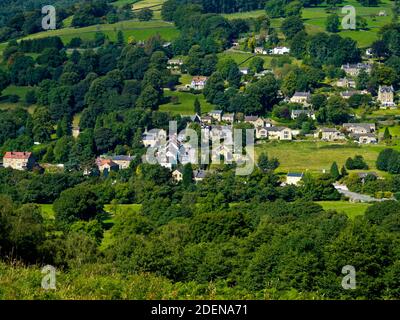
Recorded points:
(185, 105)
(352, 210)
(314, 157)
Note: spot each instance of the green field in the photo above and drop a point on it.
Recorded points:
(138, 29)
(350, 209)
(16, 90)
(315, 17)
(314, 157)
(186, 103)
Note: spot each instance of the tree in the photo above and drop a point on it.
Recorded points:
(149, 98)
(197, 106)
(42, 125)
(343, 171)
(78, 203)
(332, 23)
(335, 171)
(187, 173)
(387, 136)
(291, 26)
(257, 64)
(263, 161)
(356, 163)
(145, 14)
(382, 163)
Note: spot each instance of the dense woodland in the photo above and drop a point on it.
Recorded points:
(225, 237)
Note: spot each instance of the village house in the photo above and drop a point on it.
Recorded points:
(177, 175)
(359, 128)
(329, 134)
(301, 98)
(216, 115)
(122, 161)
(386, 96)
(199, 175)
(348, 94)
(279, 133)
(354, 69)
(255, 121)
(260, 50)
(280, 50)
(198, 83)
(19, 160)
(294, 178)
(296, 113)
(364, 138)
(152, 138)
(228, 117)
(206, 119)
(175, 64)
(346, 83)
(244, 71)
(106, 165)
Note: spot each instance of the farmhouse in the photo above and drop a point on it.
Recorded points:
(386, 96)
(19, 160)
(354, 69)
(294, 178)
(359, 128)
(329, 134)
(198, 82)
(301, 97)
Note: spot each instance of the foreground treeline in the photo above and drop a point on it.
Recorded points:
(225, 237)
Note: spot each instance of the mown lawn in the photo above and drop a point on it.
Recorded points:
(350, 209)
(186, 103)
(314, 157)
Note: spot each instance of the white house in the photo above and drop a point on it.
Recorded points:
(329, 134)
(301, 97)
(359, 128)
(386, 96)
(280, 50)
(364, 138)
(198, 82)
(296, 113)
(294, 178)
